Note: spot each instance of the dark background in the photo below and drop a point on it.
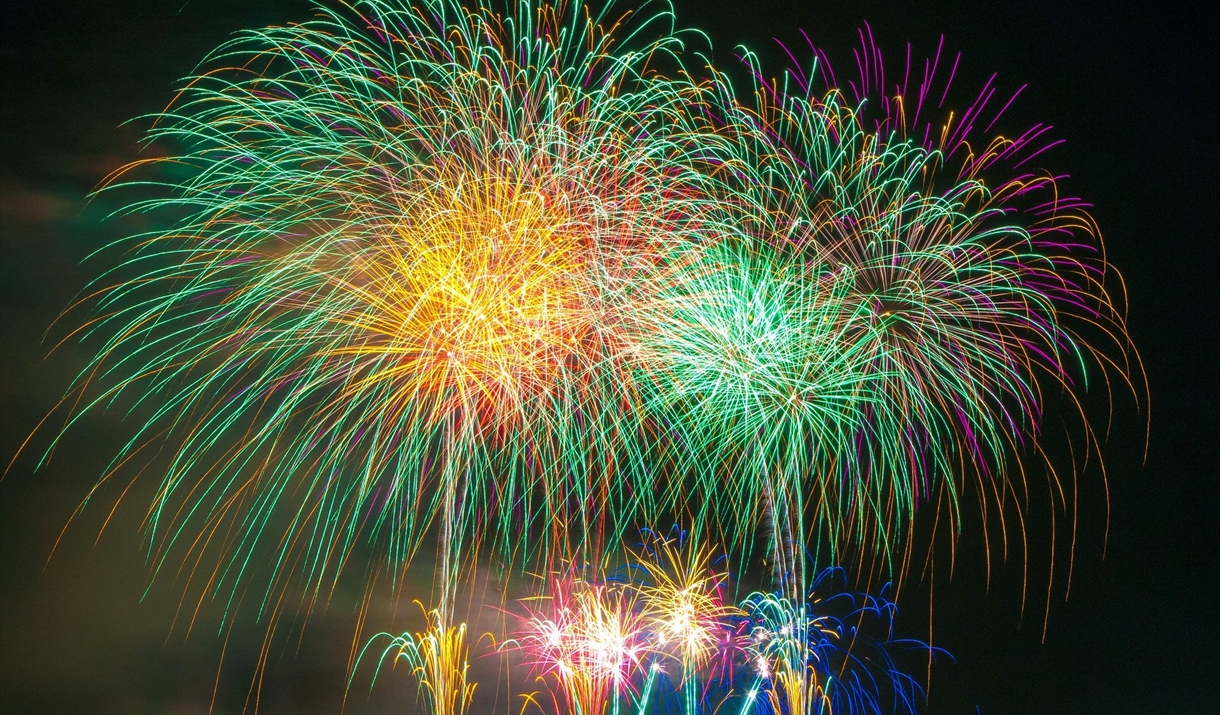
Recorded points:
(1131, 88)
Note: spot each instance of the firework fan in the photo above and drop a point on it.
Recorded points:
(586, 640)
(647, 632)
(895, 304)
(832, 653)
(437, 659)
(685, 605)
(403, 234)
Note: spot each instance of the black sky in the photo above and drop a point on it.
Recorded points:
(1130, 86)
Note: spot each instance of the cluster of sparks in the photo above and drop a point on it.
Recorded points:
(661, 636)
(523, 280)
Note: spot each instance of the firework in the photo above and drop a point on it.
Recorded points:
(438, 661)
(586, 638)
(683, 602)
(882, 321)
(834, 653)
(403, 233)
(748, 357)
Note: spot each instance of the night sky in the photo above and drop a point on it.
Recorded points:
(1130, 86)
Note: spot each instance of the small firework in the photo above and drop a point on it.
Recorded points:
(834, 653)
(437, 658)
(585, 639)
(683, 602)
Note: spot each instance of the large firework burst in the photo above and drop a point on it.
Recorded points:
(891, 305)
(403, 235)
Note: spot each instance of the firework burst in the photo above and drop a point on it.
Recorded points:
(586, 639)
(881, 324)
(403, 234)
(683, 600)
(832, 653)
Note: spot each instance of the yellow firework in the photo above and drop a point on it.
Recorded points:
(438, 658)
(474, 304)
